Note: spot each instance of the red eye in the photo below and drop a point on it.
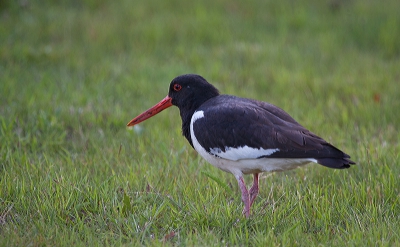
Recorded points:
(177, 87)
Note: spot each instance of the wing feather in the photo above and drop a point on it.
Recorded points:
(231, 122)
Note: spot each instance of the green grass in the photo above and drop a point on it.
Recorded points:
(73, 73)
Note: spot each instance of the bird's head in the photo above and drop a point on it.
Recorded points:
(187, 92)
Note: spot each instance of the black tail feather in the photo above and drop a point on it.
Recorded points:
(336, 163)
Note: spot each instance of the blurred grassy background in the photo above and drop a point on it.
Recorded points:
(73, 73)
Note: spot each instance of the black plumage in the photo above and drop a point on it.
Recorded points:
(243, 136)
(231, 121)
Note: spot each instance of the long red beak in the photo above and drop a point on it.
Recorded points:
(163, 104)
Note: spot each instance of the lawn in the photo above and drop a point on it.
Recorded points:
(73, 73)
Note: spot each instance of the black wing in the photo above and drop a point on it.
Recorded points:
(232, 122)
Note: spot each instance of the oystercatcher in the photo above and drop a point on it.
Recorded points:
(243, 136)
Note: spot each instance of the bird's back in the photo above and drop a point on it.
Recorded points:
(231, 123)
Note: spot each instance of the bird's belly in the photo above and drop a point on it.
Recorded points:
(250, 166)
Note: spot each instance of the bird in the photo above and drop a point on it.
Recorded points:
(243, 136)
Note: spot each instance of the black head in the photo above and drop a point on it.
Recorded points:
(190, 91)
(187, 92)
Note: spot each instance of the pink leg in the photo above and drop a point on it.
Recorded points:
(253, 192)
(245, 196)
